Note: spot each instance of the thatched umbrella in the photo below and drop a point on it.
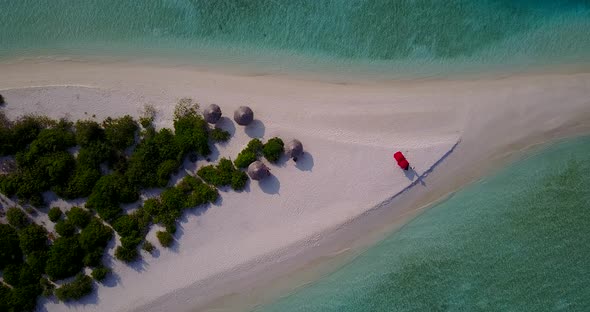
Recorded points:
(258, 170)
(212, 113)
(294, 149)
(243, 115)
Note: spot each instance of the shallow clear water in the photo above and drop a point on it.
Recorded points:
(515, 241)
(419, 37)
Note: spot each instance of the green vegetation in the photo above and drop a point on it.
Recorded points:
(108, 193)
(80, 287)
(147, 246)
(54, 214)
(65, 228)
(126, 254)
(250, 154)
(100, 273)
(165, 238)
(224, 174)
(17, 218)
(2, 101)
(109, 163)
(10, 252)
(47, 286)
(88, 132)
(273, 149)
(78, 217)
(64, 258)
(32, 238)
(120, 132)
(219, 135)
(192, 131)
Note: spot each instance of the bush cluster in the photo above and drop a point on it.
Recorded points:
(273, 149)
(192, 132)
(156, 157)
(54, 214)
(108, 193)
(120, 132)
(17, 218)
(10, 252)
(80, 287)
(100, 273)
(132, 228)
(224, 174)
(190, 192)
(249, 154)
(166, 239)
(219, 135)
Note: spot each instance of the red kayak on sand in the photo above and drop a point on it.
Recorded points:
(402, 162)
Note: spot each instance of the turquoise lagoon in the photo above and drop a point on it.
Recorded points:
(385, 37)
(514, 241)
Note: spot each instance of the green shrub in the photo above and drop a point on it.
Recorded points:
(100, 273)
(5, 298)
(219, 135)
(126, 254)
(88, 131)
(50, 141)
(33, 238)
(255, 145)
(146, 165)
(165, 170)
(199, 193)
(192, 133)
(2, 101)
(17, 218)
(80, 287)
(166, 239)
(37, 260)
(93, 258)
(47, 286)
(95, 235)
(64, 258)
(120, 132)
(147, 246)
(10, 251)
(21, 276)
(224, 174)
(273, 149)
(54, 214)
(250, 154)
(24, 298)
(79, 217)
(11, 274)
(108, 192)
(65, 228)
(25, 130)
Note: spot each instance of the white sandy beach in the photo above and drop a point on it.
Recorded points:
(349, 132)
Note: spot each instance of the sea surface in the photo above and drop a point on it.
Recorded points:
(377, 37)
(514, 241)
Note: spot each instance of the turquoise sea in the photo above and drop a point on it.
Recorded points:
(386, 37)
(514, 241)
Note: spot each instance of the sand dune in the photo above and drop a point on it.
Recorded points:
(349, 133)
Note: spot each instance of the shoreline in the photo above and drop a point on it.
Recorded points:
(344, 127)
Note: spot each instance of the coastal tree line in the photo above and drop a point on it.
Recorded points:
(108, 164)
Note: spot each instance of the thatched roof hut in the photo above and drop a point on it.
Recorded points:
(212, 113)
(294, 149)
(243, 115)
(258, 170)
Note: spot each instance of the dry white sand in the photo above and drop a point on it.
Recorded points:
(349, 132)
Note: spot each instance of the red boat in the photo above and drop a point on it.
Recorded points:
(402, 162)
